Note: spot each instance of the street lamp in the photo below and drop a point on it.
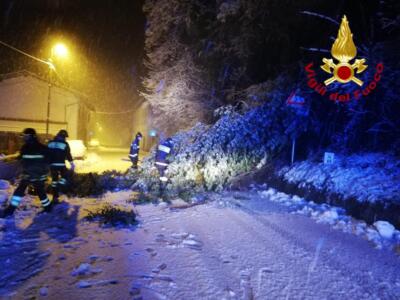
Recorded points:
(59, 50)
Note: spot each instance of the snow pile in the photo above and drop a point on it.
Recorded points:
(3, 197)
(43, 291)
(382, 234)
(85, 269)
(385, 229)
(329, 216)
(4, 186)
(369, 177)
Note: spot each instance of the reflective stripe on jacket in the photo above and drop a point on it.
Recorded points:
(59, 152)
(34, 159)
(135, 147)
(163, 151)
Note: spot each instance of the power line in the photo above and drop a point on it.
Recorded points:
(28, 55)
(114, 113)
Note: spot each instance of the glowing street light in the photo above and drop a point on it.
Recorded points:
(59, 50)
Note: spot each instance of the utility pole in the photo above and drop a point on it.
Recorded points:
(48, 102)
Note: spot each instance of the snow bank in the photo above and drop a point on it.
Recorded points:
(385, 229)
(369, 177)
(3, 197)
(382, 234)
(4, 184)
(4, 187)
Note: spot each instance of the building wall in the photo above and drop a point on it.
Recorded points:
(23, 103)
(118, 130)
(140, 123)
(113, 130)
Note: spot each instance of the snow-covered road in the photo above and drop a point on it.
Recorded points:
(102, 160)
(236, 246)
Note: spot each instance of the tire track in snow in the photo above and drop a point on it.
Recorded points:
(287, 263)
(365, 282)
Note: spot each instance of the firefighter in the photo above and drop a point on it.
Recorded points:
(163, 152)
(134, 151)
(59, 152)
(34, 158)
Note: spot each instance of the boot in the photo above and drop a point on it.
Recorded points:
(47, 209)
(32, 191)
(9, 211)
(55, 201)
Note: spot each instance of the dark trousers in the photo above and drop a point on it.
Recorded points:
(58, 180)
(134, 157)
(19, 193)
(161, 171)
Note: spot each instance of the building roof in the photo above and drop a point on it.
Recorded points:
(25, 73)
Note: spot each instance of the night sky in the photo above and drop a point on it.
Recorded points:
(103, 33)
(107, 39)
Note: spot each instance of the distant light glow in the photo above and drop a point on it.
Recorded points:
(60, 50)
(94, 143)
(153, 133)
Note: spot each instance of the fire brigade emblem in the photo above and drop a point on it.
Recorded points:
(344, 50)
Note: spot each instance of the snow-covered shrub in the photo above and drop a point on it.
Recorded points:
(228, 8)
(209, 157)
(176, 87)
(141, 197)
(224, 110)
(367, 177)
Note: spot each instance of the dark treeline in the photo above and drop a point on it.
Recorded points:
(201, 55)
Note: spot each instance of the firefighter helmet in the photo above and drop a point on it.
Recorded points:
(62, 133)
(29, 131)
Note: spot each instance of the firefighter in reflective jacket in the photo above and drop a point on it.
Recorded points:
(163, 151)
(34, 159)
(59, 153)
(134, 151)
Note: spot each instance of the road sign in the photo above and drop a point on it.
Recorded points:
(329, 158)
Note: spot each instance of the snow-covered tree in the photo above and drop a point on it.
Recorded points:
(175, 86)
(234, 51)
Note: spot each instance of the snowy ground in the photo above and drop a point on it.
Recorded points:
(237, 245)
(95, 161)
(100, 161)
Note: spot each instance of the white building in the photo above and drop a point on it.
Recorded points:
(23, 103)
